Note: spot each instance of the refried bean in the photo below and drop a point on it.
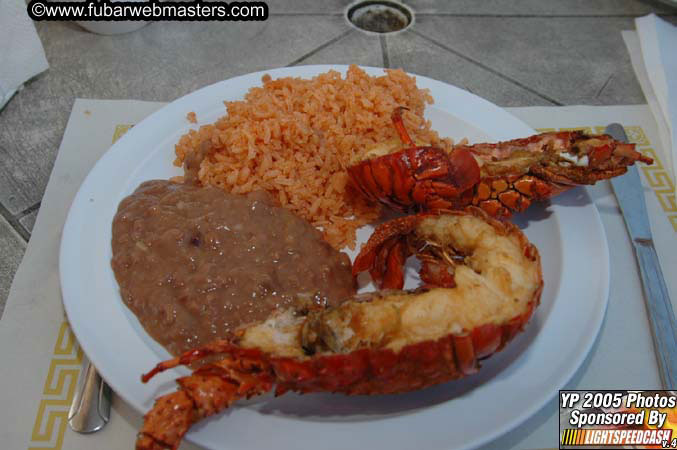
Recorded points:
(194, 263)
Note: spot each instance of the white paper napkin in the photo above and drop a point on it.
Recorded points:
(653, 52)
(21, 53)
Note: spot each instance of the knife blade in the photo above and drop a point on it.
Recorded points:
(628, 190)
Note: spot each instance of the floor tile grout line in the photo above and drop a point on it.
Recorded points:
(485, 67)
(606, 83)
(384, 51)
(28, 210)
(14, 223)
(321, 47)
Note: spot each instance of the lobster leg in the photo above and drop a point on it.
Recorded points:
(394, 273)
(208, 391)
(384, 254)
(387, 250)
(437, 273)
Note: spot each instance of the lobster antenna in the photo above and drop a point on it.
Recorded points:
(399, 126)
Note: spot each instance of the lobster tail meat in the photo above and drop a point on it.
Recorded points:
(376, 343)
(501, 178)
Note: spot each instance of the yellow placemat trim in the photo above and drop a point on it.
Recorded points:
(64, 369)
(51, 419)
(656, 177)
(120, 130)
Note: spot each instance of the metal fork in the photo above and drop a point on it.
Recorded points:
(90, 410)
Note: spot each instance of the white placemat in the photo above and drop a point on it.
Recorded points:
(41, 360)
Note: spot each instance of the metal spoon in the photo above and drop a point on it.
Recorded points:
(90, 410)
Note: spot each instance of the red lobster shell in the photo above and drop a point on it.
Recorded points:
(499, 178)
(384, 342)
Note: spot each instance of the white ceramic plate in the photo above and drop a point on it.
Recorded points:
(511, 386)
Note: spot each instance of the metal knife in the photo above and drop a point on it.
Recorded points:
(628, 190)
(90, 410)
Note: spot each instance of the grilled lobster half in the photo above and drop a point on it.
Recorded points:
(500, 178)
(382, 342)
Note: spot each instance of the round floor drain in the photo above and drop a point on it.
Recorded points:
(378, 16)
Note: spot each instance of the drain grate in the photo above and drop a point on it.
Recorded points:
(379, 16)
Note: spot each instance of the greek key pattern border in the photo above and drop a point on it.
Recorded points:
(65, 366)
(57, 394)
(120, 130)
